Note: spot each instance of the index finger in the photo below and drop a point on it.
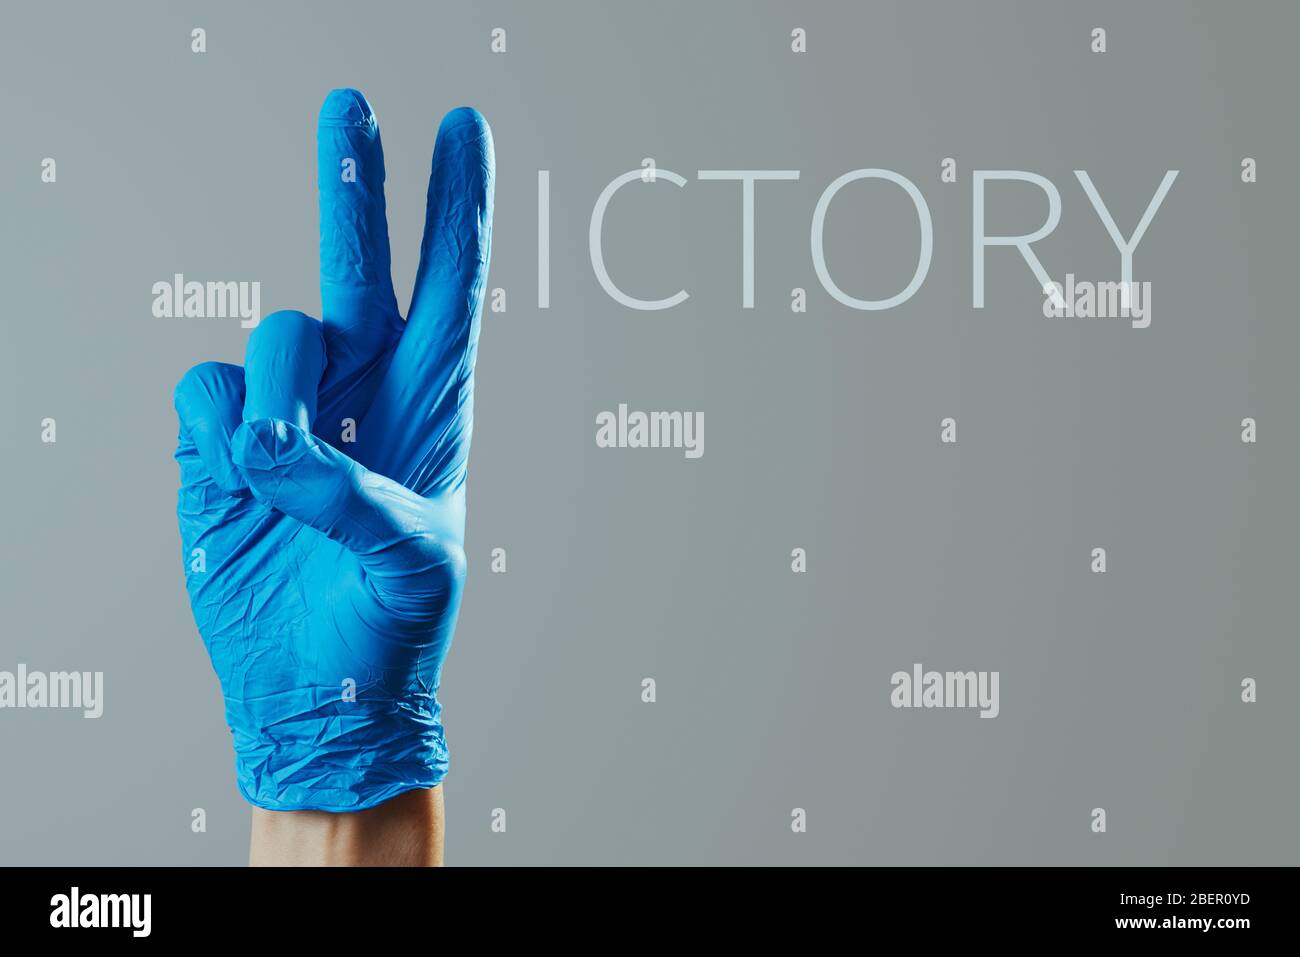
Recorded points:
(426, 401)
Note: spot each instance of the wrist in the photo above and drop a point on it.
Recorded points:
(405, 831)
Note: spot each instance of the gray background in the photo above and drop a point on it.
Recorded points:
(1118, 690)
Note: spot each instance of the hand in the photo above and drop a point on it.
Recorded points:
(322, 500)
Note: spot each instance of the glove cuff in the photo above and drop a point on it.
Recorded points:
(336, 755)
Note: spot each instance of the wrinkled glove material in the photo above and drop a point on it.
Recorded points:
(322, 499)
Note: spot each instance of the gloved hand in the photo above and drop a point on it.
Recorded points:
(322, 500)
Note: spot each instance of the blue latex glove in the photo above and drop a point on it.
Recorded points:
(328, 564)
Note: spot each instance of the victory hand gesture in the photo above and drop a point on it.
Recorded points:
(322, 500)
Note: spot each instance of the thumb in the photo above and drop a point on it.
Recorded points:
(405, 543)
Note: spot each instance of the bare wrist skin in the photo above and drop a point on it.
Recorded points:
(405, 831)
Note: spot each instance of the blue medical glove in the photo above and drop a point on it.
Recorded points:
(322, 500)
